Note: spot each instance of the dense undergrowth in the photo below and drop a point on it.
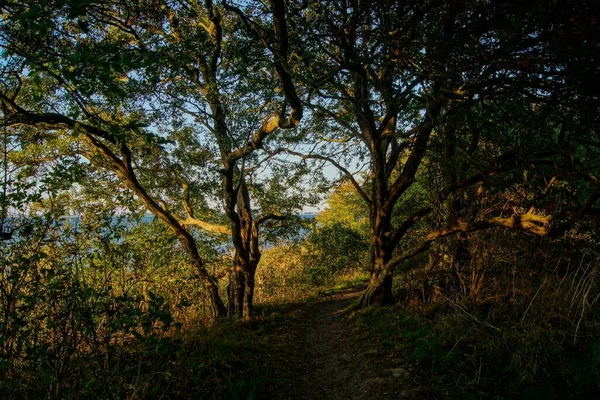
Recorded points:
(449, 123)
(512, 324)
(86, 315)
(92, 311)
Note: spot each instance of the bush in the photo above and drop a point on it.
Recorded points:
(93, 311)
(333, 249)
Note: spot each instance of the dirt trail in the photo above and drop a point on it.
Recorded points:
(323, 358)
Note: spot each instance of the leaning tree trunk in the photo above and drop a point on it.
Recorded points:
(216, 304)
(124, 170)
(217, 307)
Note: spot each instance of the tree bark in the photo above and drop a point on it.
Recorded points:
(249, 295)
(379, 289)
(236, 290)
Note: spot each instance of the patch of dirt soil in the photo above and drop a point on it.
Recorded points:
(322, 358)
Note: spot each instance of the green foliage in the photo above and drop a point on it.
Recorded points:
(438, 92)
(281, 276)
(332, 249)
(338, 240)
(286, 275)
(91, 310)
(62, 323)
(346, 209)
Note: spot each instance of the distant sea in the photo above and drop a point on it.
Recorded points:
(73, 221)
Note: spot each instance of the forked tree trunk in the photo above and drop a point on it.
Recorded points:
(247, 253)
(235, 190)
(241, 289)
(249, 268)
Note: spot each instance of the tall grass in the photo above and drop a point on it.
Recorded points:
(516, 323)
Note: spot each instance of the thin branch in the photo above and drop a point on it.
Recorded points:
(336, 118)
(250, 25)
(265, 218)
(350, 176)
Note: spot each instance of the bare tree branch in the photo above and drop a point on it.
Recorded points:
(348, 174)
(261, 220)
(529, 222)
(207, 226)
(191, 219)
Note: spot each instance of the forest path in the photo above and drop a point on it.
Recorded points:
(323, 358)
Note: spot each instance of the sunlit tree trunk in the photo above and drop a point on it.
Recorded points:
(244, 236)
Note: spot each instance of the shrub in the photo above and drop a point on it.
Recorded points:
(333, 249)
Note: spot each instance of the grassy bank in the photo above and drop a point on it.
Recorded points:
(538, 339)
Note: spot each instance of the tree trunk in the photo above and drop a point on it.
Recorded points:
(249, 296)
(247, 252)
(236, 290)
(379, 290)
